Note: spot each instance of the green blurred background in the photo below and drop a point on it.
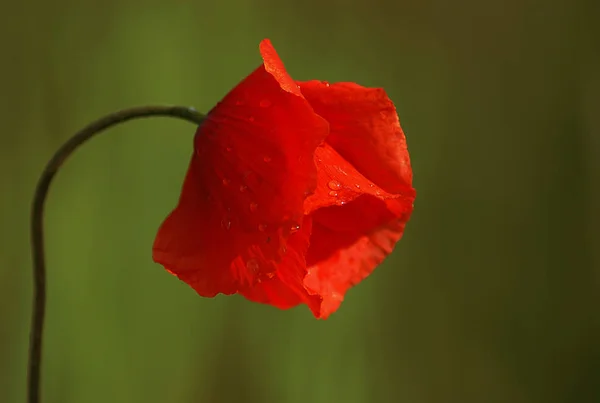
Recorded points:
(492, 296)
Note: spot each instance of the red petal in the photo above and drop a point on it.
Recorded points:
(365, 130)
(332, 277)
(287, 288)
(348, 242)
(364, 194)
(252, 169)
(338, 181)
(193, 242)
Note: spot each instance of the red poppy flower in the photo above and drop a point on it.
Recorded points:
(295, 192)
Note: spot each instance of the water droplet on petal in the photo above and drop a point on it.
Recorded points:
(295, 228)
(333, 185)
(226, 181)
(357, 185)
(325, 83)
(243, 188)
(333, 193)
(262, 227)
(337, 296)
(226, 223)
(265, 103)
(252, 265)
(253, 207)
(266, 158)
(270, 275)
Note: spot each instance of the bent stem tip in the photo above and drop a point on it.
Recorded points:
(37, 215)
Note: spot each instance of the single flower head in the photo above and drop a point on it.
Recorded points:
(295, 192)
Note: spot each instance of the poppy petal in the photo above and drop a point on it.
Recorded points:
(348, 242)
(365, 131)
(338, 181)
(286, 289)
(182, 240)
(243, 195)
(347, 206)
(332, 277)
(364, 194)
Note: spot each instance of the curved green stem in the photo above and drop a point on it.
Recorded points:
(37, 218)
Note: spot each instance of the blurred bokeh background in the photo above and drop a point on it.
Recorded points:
(493, 295)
